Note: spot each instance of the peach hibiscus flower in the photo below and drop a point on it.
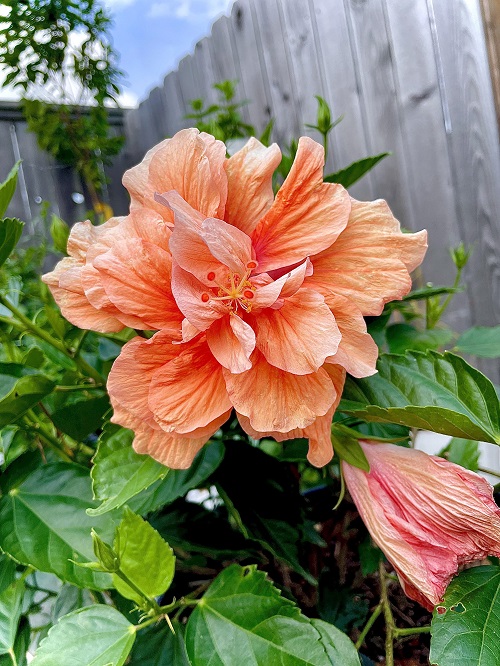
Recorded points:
(258, 301)
(428, 515)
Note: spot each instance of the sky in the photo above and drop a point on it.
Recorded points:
(152, 36)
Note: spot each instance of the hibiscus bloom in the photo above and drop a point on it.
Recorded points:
(258, 301)
(429, 516)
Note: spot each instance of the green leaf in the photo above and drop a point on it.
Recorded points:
(93, 636)
(274, 515)
(81, 415)
(463, 452)
(7, 189)
(20, 389)
(430, 292)
(158, 646)
(10, 233)
(348, 448)
(59, 231)
(466, 626)
(145, 558)
(119, 472)
(21, 645)
(438, 392)
(354, 171)
(43, 523)
(242, 619)
(480, 341)
(179, 481)
(10, 611)
(403, 337)
(7, 572)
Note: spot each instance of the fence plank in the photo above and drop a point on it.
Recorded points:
(173, 104)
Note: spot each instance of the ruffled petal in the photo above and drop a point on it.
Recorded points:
(318, 433)
(357, 351)
(136, 276)
(232, 341)
(275, 400)
(250, 185)
(189, 392)
(229, 245)
(306, 216)
(192, 163)
(299, 336)
(370, 261)
(194, 301)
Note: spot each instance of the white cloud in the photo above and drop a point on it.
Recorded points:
(191, 10)
(118, 4)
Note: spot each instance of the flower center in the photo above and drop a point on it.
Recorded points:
(235, 291)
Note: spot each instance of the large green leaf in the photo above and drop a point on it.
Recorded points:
(43, 523)
(352, 173)
(273, 514)
(401, 337)
(119, 472)
(145, 558)
(480, 341)
(10, 611)
(80, 414)
(179, 481)
(439, 392)
(21, 645)
(466, 626)
(7, 189)
(243, 619)
(20, 389)
(158, 646)
(93, 636)
(10, 233)
(463, 452)
(7, 572)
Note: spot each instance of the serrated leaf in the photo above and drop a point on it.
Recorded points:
(95, 636)
(179, 481)
(10, 611)
(273, 516)
(43, 523)
(119, 473)
(466, 626)
(338, 646)
(348, 448)
(21, 645)
(145, 558)
(430, 292)
(464, 452)
(243, 619)
(7, 189)
(352, 173)
(480, 341)
(402, 337)
(20, 389)
(158, 646)
(438, 392)
(10, 233)
(81, 415)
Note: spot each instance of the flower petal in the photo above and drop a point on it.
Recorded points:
(370, 261)
(357, 351)
(192, 163)
(136, 276)
(299, 336)
(169, 449)
(250, 186)
(318, 433)
(190, 295)
(189, 392)
(275, 400)
(306, 216)
(229, 245)
(232, 341)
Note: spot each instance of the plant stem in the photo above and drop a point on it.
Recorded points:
(369, 625)
(33, 424)
(82, 365)
(149, 604)
(79, 387)
(390, 625)
(411, 631)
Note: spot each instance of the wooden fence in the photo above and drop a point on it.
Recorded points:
(411, 77)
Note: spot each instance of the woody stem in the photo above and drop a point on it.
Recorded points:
(390, 625)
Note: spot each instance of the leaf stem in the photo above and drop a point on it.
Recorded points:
(390, 625)
(411, 631)
(33, 424)
(149, 604)
(378, 609)
(81, 363)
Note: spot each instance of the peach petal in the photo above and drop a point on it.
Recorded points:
(299, 336)
(189, 392)
(357, 351)
(370, 261)
(250, 186)
(84, 234)
(190, 295)
(232, 341)
(136, 276)
(229, 245)
(307, 215)
(275, 400)
(169, 449)
(192, 163)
